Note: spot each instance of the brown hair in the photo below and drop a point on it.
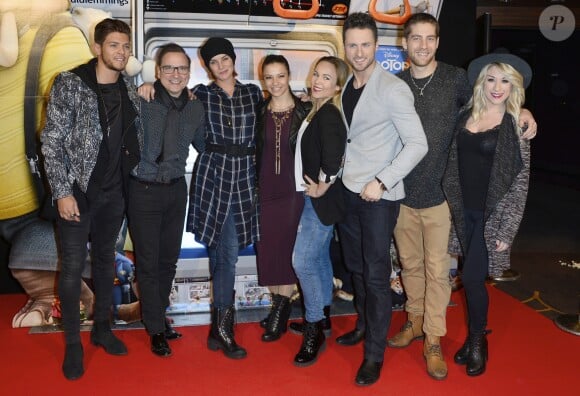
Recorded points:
(421, 17)
(108, 26)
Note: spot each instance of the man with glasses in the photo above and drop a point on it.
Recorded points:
(157, 189)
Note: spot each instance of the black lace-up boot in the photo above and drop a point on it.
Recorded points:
(221, 333)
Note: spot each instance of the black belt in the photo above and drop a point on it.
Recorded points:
(235, 150)
(155, 183)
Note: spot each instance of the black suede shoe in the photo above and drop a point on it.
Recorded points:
(351, 338)
(72, 367)
(159, 345)
(101, 335)
(368, 373)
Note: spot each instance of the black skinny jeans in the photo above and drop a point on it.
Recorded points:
(101, 224)
(475, 270)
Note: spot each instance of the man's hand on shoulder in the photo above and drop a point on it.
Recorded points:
(528, 124)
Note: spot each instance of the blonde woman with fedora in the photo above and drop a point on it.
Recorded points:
(486, 185)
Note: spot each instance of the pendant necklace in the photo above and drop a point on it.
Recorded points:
(279, 117)
(421, 89)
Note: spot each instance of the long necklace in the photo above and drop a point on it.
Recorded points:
(421, 89)
(109, 123)
(279, 118)
(224, 114)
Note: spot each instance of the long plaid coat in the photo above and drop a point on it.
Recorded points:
(222, 183)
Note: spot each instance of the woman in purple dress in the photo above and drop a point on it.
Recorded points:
(280, 204)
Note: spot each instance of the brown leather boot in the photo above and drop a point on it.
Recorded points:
(436, 366)
(411, 330)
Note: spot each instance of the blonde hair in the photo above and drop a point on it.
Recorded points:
(515, 100)
(342, 72)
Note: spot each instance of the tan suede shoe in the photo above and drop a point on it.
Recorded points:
(436, 366)
(411, 330)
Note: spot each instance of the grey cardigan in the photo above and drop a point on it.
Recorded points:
(506, 197)
(385, 138)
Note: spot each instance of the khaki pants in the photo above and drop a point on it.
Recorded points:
(422, 236)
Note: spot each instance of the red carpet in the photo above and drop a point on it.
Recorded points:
(529, 355)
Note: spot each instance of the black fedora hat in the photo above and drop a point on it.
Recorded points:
(500, 56)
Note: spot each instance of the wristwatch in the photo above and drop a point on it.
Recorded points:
(381, 184)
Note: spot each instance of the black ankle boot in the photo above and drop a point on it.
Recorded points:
(72, 367)
(278, 318)
(221, 334)
(298, 327)
(477, 355)
(101, 335)
(463, 352)
(313, 342)
(264, 322)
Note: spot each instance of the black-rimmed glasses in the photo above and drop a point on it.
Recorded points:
(168, 69)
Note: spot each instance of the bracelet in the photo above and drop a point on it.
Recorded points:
(381, 184)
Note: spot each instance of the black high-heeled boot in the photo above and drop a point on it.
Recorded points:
(221, 333)
(313, 343)
(278, 318)
(477, 355)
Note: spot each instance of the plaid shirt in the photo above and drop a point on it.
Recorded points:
(224, 182)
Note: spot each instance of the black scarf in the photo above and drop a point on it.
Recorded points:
(169, 148)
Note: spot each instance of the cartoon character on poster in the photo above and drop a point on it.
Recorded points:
(33, 259)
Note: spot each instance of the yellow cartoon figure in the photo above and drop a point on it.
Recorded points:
(44, 32)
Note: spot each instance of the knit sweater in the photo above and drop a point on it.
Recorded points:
(438, 108)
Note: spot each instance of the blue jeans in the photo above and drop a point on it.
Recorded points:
(222, 264)
(365, 236)
(311, 262)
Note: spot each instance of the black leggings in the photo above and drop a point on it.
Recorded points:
(475, 270)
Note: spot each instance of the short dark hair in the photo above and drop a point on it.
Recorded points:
(421, 17)
(360, 20)
(270, 59)
(108, 26)
(167, 48)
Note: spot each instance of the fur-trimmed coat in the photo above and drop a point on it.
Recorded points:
(506, 196)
